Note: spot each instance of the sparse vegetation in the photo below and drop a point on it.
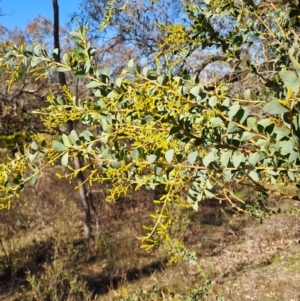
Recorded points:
(238, 256)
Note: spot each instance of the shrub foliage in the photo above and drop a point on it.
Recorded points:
(166, 126)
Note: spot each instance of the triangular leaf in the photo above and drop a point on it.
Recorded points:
(93, 84)
(216, 121)
(291, 175)
(274, 107)
(58, 146)
(208, 159)
(195, 206)
(246, 136)
(233, 110)
(151, 158)
(34, 146)
(247, 94)
(65, 159)
(208, 194)
(237, 160)
(253, 158)
(290, 80)
(118, 82)
(63, 69)
(192, 157)
(195, 90)
(225, 157)
(296, 65)
(66, 140)
(33, 179)
(135, 154)
(115, 164)
(251, 122)
(73, 137)
(169, 155)
(254, 176)
(213, 101)
(131, 63)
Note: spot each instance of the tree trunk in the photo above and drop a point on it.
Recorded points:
(84, 195)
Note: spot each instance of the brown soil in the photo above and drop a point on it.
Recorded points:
(245, 259)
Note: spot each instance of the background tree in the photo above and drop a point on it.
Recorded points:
(17, 120)
(133, 32)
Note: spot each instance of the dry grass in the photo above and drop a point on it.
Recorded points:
(245, 260)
